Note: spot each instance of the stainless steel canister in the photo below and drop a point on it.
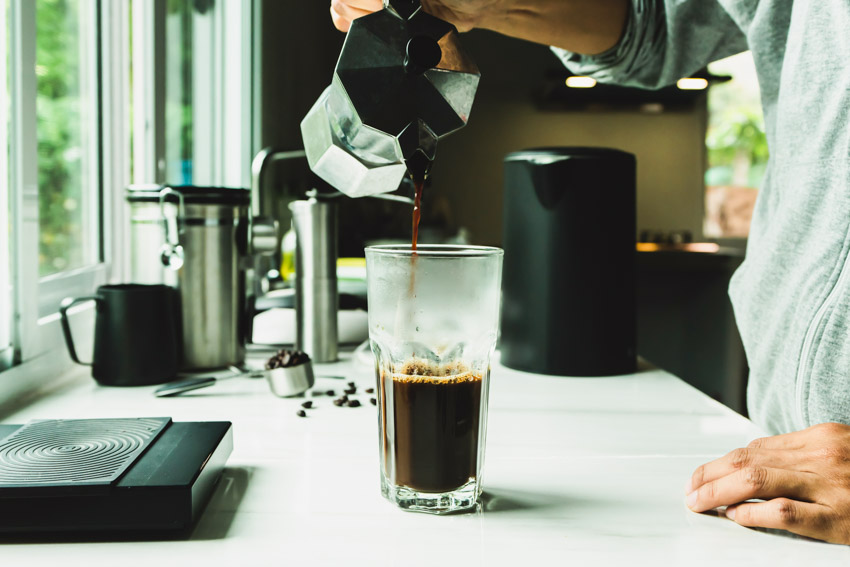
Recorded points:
(316, 298)
(197, 238)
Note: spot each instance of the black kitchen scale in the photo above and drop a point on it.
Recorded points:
(108, 475)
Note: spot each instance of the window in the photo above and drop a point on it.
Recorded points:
(196, 59)
(99, 93)
(178, 90)
(68, 110)
(56, 203)
(67, 133)
(737, 148)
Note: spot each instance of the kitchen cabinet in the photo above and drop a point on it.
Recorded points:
(685, 319)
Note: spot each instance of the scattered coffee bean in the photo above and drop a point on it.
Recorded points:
(338, 402)
(301, 413)
(350, 390)
(330, 393)
(307, 405)
(373, 401)
(370, 390)
(352, 385)
(353, 403)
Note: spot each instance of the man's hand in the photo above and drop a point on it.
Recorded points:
(804, 478)
(582, 26)
(464, 14)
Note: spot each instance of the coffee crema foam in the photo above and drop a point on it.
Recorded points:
(418, 371)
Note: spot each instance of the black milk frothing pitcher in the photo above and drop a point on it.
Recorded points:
(137, 334)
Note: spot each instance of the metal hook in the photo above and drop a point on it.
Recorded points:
(171, 253)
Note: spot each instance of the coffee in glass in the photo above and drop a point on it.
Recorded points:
(433, 317)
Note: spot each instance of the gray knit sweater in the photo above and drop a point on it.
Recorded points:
(792, 294)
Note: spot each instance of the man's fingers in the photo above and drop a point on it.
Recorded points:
(795, 440)
(340, 23)
(737, 460)
(365, 5)
(752, 483)
(782, 514)
(348, 11)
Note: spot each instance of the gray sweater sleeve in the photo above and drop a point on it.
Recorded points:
(664, 40)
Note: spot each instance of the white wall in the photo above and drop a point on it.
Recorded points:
(468, 170)
(669, 149)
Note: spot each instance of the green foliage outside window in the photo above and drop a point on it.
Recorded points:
(736, 140)
(59, 122)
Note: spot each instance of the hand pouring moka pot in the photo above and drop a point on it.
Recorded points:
(402, 83)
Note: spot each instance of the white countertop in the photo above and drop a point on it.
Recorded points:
(578, 471)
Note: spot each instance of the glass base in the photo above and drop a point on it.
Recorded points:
(464, 499)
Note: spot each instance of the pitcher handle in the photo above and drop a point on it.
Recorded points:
(67, 303)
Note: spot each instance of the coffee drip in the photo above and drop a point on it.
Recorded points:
(417, 212)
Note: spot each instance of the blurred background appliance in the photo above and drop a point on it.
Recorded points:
(568, 283)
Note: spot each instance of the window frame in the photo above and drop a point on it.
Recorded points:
(23, 177)
(130, 133)
(6, 312)
(52, 289)
(223, 66)
(36, 334)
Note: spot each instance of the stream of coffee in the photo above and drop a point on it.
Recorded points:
(417, 210)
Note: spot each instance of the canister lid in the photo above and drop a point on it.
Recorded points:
(192, 194)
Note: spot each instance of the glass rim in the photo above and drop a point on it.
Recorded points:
(436, 250)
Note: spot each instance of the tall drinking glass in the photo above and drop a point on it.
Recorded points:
(433, 318)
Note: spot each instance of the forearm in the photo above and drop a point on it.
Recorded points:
(581, 26)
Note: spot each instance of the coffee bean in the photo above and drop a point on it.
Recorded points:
(353, 403)
(338, 402)
(301, 413)
(285, 358)
(350, 390)
(370, 390)
(330, 393)
(373, 401)
(351, 384)
(307, 405)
